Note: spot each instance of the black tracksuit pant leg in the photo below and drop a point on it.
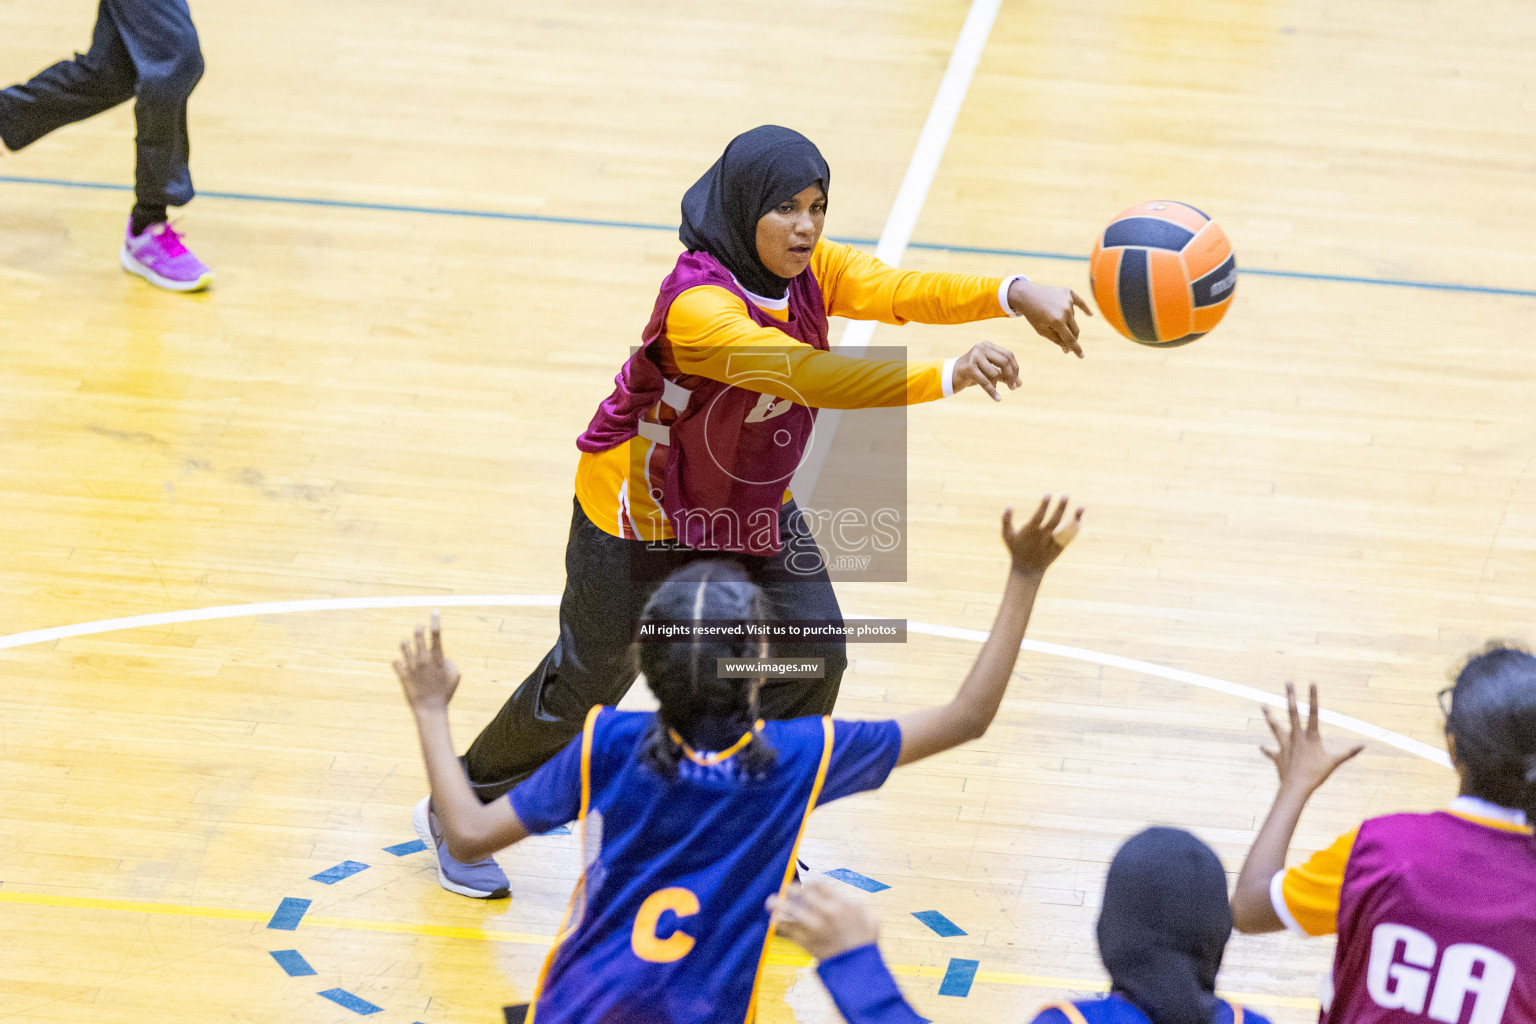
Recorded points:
(608, 581)
(146, 50)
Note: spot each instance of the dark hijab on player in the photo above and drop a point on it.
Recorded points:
(1165, 924)
(759, 170)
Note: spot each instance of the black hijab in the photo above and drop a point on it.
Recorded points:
(1165, 924)
(758, 171)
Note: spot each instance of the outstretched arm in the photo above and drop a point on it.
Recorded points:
(1304, 764)
(472, 830)
(710, 334)
(859, 286)
(1034, 546)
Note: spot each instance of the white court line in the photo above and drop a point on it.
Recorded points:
(238, 611)
(934, 139)
(241, 611)
(908, 206)
(1178, 675)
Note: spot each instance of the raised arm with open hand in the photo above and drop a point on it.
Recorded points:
(1304, 763)
(1033, 547)
(1302, 760)
(471, 829)
(428, 678)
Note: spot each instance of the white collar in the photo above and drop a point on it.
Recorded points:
(763, 301)
(1480, 808)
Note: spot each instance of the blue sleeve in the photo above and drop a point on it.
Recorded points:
(1050, 1015)
(551, 796)
(863, 989)
(863, 754)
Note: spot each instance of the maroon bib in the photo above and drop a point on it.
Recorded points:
(720, 454)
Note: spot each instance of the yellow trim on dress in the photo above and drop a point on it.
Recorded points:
(1502, 826)
(567, 926)
(708, 758)
(827, 735)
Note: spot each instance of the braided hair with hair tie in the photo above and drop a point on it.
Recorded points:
(697, 707)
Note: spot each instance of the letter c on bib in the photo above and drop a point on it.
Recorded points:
(643, 938)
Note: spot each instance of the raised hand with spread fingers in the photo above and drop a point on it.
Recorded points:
(1304, 762)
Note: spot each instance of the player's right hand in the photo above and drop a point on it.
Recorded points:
(1302, 760)
(1049, 310)
(1036, 544)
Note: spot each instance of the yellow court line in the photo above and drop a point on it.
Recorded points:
(228, 914)
(132, 906)
(781, 954)
(436, 930)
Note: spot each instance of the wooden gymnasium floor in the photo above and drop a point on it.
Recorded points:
(1336, 486)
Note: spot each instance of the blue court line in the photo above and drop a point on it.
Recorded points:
(341, 997)
(406, 849)
(346, 869)
(630, 225)
(292, 962)
(288, 914)
(958, 977)
(344, 204)
(857, 880)
(1298, 275)
(1295, 275)
(939, 923)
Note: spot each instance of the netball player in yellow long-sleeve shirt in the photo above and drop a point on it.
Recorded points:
(707, 327)
(754, 289)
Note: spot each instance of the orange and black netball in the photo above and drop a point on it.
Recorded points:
(1163, 273)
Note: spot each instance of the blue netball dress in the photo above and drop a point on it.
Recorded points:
(1114, 1009)
(667, 924)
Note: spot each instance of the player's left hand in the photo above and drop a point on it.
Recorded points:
(1048, 308)
(823, 920)
(985, 365)
(428, 678)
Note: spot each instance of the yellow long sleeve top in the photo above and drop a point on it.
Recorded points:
(710, 334)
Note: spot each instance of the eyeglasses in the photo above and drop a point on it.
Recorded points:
(1444, 697)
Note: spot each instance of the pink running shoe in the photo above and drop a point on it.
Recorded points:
(159, 257)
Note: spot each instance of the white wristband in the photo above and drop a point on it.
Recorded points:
(1002, 293)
